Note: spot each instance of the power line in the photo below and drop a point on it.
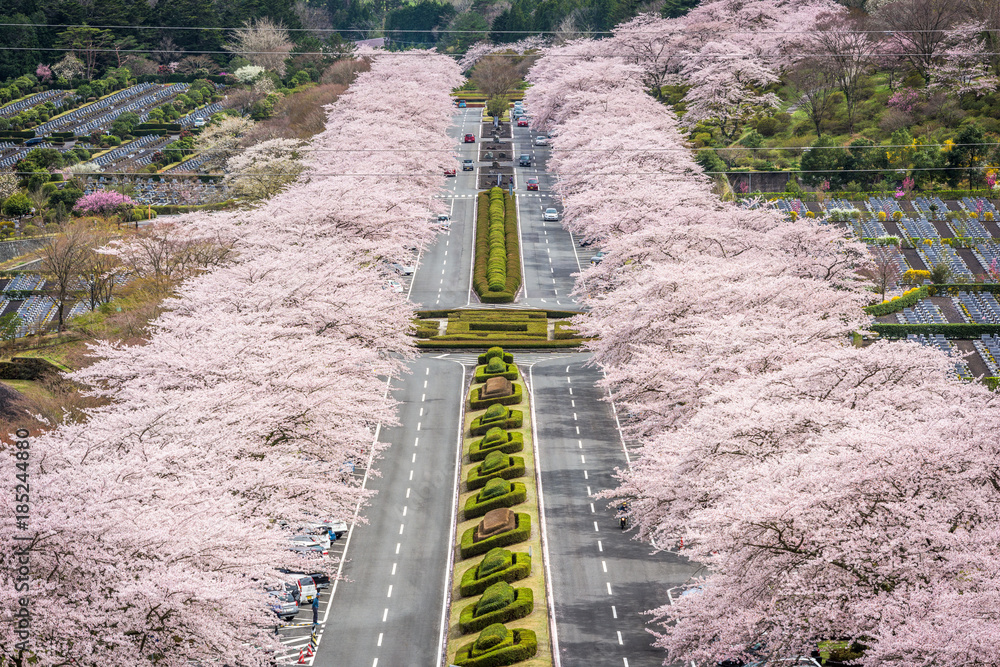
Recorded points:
(526, 33)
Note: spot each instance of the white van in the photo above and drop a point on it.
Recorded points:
(306, 588)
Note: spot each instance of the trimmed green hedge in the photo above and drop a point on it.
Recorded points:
(523, 604)
(511, 444)
(523, 646)
(485, 357)
(564, 331)
(520, 533)
(517, 344)
(514, 468)
(952, 289)
(482, 375)
(514, 420)
(477, 403)
(517, 495)
(894, 331)
(496, 275)
(909, 298)
(509, 567)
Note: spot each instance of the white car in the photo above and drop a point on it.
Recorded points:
(401, 269)
(541, 141)
(395, 286)
(336, 526)
(550, 214)
(307, 544)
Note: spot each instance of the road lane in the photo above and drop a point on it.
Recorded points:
(389, 610)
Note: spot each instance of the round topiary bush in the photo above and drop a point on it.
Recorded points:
(496, 365)
(494, 489)
(495, 411)
(496, 597)
(494, 352)
(493, 462)
(493, 637)
(495, 560)
(494, 436)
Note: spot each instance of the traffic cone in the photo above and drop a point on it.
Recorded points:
(302, 657)
(309, 650)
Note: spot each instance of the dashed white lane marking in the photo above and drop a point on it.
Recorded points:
(571, 391)
(414, 458)
(588, 491)
(572, 403)
(567, 369)
(408, 492)
(385, 614)
(582, 459)
(375, 663)
(604, 566)
(596, 529)
(580, 445)
(574, 416)
(423, 397)
(425, 384)
(421, 412)
(404, 510)
(592, 510)
(397, 548)
(620, 642)
(411, 475)
(393, 570)
(400, 529)
(608, 583)
(380, 639)
(389, 594)
(416, 442)
(569, 379)
(600, 547)
(585, 475)
(418, 426)
(578, 430)
(614, 612)
(626, 661)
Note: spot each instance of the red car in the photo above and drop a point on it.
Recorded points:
(470, 138)
(449, 172)
(532, 183)
(522, 122)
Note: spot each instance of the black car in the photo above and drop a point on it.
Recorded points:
(321, 579)
(524, 161)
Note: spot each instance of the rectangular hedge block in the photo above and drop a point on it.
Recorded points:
(482, 376)
(514, 444)
(520, 533)
(524, 603)
(508, 358)
(515, 420)
(525, 646)
(515, 468)
(476, 403)
(517, 495)
(520, 568)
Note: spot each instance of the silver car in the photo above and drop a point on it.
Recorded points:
(550, 214)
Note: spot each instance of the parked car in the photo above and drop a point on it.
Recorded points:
(307, 544)
(470, 138)
(524, 160)
(338, 527)
(598, 258)
(322, 580)
(461, 104)
(401, 269)
(541, 141)
(550, 214)
(395, 286)
(468, 165)
(450, 172)
(444, 220)
(283, 604)
(532, 183)
(522, 121)
(306, 587)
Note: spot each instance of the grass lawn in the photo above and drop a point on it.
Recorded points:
(538, 619)
(31, 390)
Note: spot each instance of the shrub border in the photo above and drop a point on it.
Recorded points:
(518, 494)
(512, 248)
(520, 568)
(514, 444)
(514, 468)
(519, 533)
(515, 420)
(477, 403)
(525, 646)
(523, 604)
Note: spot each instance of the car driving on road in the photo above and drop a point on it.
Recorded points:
(532, 183)
(550, 214)
(450, 172)
(524, 160)
(468, 165)
(541, 141)
(522, 121)
(470, 139)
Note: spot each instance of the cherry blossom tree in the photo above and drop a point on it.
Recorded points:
(965, 65)
(154, 524)
(832, 492)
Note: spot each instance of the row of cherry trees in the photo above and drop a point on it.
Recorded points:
(729, 52)
(832, 492)
(155, 523)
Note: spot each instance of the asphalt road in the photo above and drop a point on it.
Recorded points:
(443, 277)
(389, 610)
(602, 580)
